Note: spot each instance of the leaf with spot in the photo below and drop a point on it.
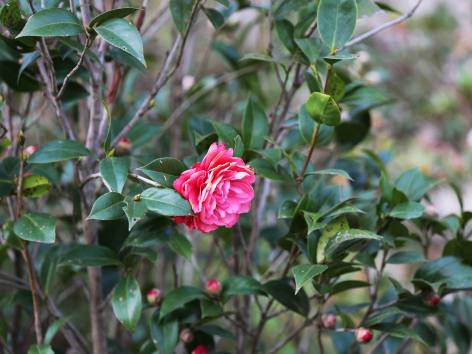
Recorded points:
(345, 237)
(135, 210)
(304, 273)
(36, 227)
(330, 231)
(323, 109)
(123, 35)
(35, 186)
(127, 302)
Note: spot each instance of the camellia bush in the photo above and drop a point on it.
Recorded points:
(195, 177)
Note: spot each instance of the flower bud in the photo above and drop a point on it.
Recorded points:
(201, 349)
(30, 149)
(154, 296)
(123, 147)
(213, 287)
(328, 320)
(187, 82)
(432, 299)
(363, 335)
(186, 335)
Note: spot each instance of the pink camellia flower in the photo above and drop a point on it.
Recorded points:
(201, 349)
(213, 287)
(218, 189)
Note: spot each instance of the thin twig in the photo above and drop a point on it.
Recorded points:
(380, 28)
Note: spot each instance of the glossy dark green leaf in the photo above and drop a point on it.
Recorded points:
(347, 285)
(409, 210)
(312, 221)
(127, 302)
(304, 273)
(164, 170)
(181, 11)
(114, 170)
(166, 202)
(36, 227)
(215, 17)
(210, 308)
(114, 13)
(386, 7)
(9, 72)
(414, 184)
(53, 329)
(285, 31)
(49, 268)
(283, 292)
(348, 236)
(180, 245)
(323, 109)
(311, 47)
(382, 315)
(164, 333)
(178, 297)
(406, 257)
(27, 60)
(59, 150)
(241, 285)
(123, 35)
(264, 168)
(254, 125)
(35, 186)
(336, 21)
(398, 330)
(55, 22)
(287, 209)
(89, 256)
(108, 206)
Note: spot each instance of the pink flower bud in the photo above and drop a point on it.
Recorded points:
(201, 349)
(214, 287)
(30, 150)
(363, 335)
(432, 299)
(328, 320)
(186, 335)
(154, 296)
(27, 174)
(123, 147)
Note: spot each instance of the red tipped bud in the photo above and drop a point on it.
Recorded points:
(27, 174)
(214, 287)
(328, 320)
(186, 335)
(123, 147)
(30, 150)
(363, 335)
(154, 296)
(432, 299)
(201, 349)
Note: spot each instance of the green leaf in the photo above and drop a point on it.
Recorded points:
(382, 315)
(53, 329)
(387, 7)
(107, 207)
(264, 168)
(36, 227)
(333, 59)
(10, 16)
(135, 210)
(311, 47)
(226, 132)
(127, 302)
(164, 170)
(348, 209)
(107, 142)
(114, 171)
(305, 272)
(215, 17)
(166, 202)
(254, 125)
(323, 109)
(397, 330)
(180, 245)
(114, 13)
(89, 256)
(347, 285)
(210, 309)
(282, 292)
(284, 29)
(35, 186)
(164, 333)
(336, 21)
(331, 230)
(40, 349)
(123, 35)
(49, 268)
(414, 184)
(311, 220)
(348, 236)
(263, 57)
(59, 150)
(181, 11)
(410, 210)
(406, 257)
(336, 87)
(287, 209)
(366, 8)
(178, 297)
(330, 172)
(55, 22)
(241, 285)
(27, 60)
